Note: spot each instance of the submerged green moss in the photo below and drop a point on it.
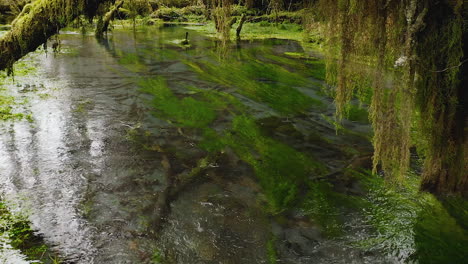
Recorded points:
(357, 113)
(281, 169)
(306, 65)
(412, 225)
(7, 111)
(271, 250)
(262, 82)
(18, 230)
(185, 112)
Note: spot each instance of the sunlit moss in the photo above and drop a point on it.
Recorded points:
(266, 83)
(306, 65)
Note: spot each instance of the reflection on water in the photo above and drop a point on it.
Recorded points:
(115, 121)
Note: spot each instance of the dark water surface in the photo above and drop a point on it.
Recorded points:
(90, 168)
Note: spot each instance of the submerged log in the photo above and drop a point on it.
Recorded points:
(175, 185)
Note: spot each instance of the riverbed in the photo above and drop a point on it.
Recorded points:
(139, 149)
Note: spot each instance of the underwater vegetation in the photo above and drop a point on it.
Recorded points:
(402, 222)
(16, 230)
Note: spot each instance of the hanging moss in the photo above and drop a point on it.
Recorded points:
(401, 48)
(221, 13)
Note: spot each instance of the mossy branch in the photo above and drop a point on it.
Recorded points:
(103, 23)
(35, 25)
(239, 27)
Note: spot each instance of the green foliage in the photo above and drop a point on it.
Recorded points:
(238, 10)
(176, 3)
(189, 13)
(259, 30)
(134, 8)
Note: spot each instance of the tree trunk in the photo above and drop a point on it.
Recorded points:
(103, 23)
(446, 172)
(239, 27)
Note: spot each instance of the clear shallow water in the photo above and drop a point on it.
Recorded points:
(91, 166)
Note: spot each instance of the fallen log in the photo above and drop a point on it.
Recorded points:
(36, 24)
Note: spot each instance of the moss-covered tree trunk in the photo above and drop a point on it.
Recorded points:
(446, 168)
(38, 22)
(424, 45)
(103, 24)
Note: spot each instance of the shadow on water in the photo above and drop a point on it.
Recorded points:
(149, 151)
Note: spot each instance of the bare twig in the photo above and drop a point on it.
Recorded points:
(452, 67)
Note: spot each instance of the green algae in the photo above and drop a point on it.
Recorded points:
(131, 62)
(23, 68)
